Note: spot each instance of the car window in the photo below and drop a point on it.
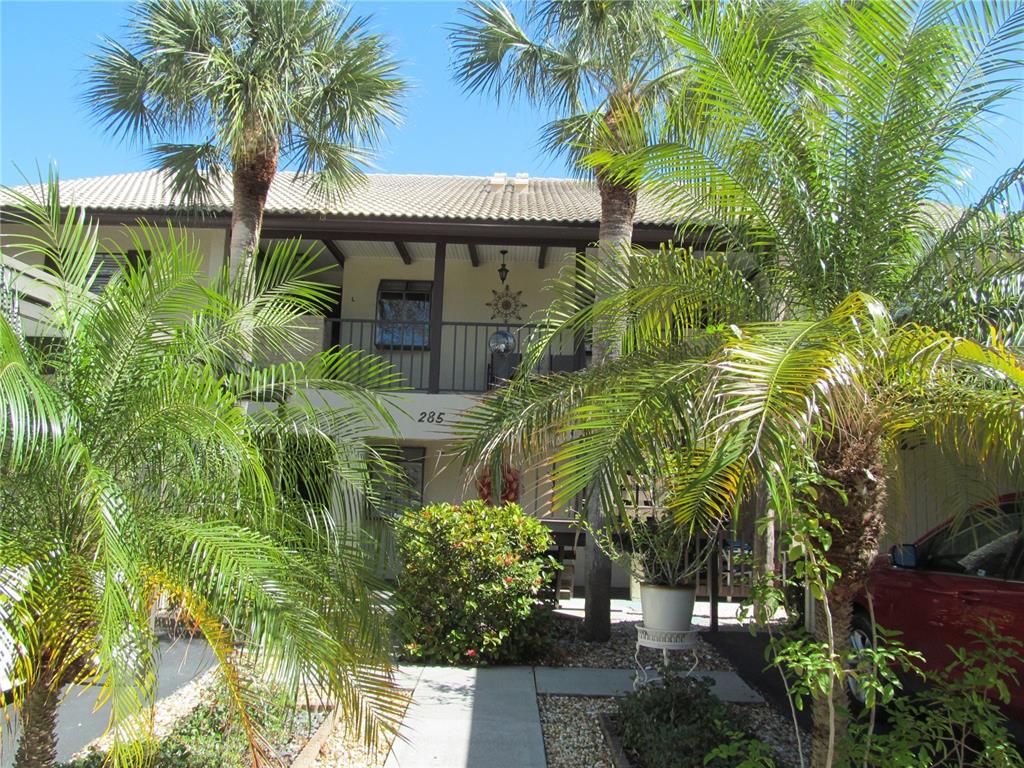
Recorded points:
(981, 543)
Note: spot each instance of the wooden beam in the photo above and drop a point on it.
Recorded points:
(336, 252)
(403, 251)
(542, 259)
(474, 256)
(436, 316)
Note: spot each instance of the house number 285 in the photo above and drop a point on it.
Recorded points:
(431, 417)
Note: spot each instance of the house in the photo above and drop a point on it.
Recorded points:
(428, 270)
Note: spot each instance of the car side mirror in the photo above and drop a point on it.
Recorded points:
(904, 556)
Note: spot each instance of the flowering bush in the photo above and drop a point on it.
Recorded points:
(474, 587)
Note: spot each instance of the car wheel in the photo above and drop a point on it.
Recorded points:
(860, 640)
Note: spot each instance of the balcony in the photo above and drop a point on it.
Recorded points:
(456, 358)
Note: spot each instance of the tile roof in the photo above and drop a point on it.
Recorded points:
(382, 195)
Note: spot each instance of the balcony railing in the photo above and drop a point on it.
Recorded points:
(464, 360)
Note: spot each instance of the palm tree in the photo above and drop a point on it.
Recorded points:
(811, 165)
(595, 65)
(229, 84)
(134, 470)
(830, 162)
(715, 401)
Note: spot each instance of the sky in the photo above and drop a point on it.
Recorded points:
(44, 49)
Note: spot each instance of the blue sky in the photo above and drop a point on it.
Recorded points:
(44, 48)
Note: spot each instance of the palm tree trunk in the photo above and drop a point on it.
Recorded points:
(37, 745)
(618, 207)
(251, 178)
(854, 462)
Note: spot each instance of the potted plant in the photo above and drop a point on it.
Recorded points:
(666, 559)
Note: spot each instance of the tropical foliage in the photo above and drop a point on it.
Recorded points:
(144, 460)
(219, 86)
(805, 166)
(827, 146)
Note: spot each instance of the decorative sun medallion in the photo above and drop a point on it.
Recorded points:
(506, 304)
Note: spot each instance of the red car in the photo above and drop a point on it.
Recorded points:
(965, 571)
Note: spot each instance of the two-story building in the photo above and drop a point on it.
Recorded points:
(440, 275)
(431, 273)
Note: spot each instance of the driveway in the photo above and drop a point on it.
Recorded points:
(78, 722)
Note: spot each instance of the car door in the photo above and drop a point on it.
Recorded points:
(963, 579)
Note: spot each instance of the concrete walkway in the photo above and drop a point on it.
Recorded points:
(80, 722)
(488, 717)
(583, 681)
(471, 717)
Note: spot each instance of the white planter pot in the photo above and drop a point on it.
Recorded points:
(669, 609)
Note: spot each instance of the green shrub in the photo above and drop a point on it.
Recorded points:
(474, 583)
(674, 724)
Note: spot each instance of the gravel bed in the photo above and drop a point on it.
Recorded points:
(772, 727)
(343, 749)
(167, 712)
(304, 726)
(572, 736)
(569, 649)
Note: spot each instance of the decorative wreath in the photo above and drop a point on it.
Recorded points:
(506, 305)
(509, 485)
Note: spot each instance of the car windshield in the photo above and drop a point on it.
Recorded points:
(980, 543)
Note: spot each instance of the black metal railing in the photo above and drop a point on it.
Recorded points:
(464, 361)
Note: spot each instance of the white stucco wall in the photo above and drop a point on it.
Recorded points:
(210, 241)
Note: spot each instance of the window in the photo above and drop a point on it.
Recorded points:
(403, 314)
(398, 494)
(106, 266)
(980, 544)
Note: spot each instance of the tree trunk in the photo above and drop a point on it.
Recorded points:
(251, 178)
(37, 745)
(854, 462)
(618, 207)
(764, 543)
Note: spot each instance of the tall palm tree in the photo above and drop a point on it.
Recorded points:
(835, 155)
(595, 65)
(135, 469)
(219, 85)
(812, 167)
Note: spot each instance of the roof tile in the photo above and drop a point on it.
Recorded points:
(383, 195)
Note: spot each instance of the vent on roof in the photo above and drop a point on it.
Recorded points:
(521, 181)
(498, 180)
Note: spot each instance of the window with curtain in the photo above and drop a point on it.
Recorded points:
(403, 314)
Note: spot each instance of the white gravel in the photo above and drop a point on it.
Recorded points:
(343, 749)
(569, 649)
(167, 712)
(572, 736)
(770, 726)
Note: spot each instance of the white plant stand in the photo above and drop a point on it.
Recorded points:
(664, 641)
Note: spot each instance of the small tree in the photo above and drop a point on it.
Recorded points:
(228, 85)
(135, 467)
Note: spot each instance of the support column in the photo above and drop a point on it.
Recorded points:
(436, 316)
(713, 578)
(579, 338)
